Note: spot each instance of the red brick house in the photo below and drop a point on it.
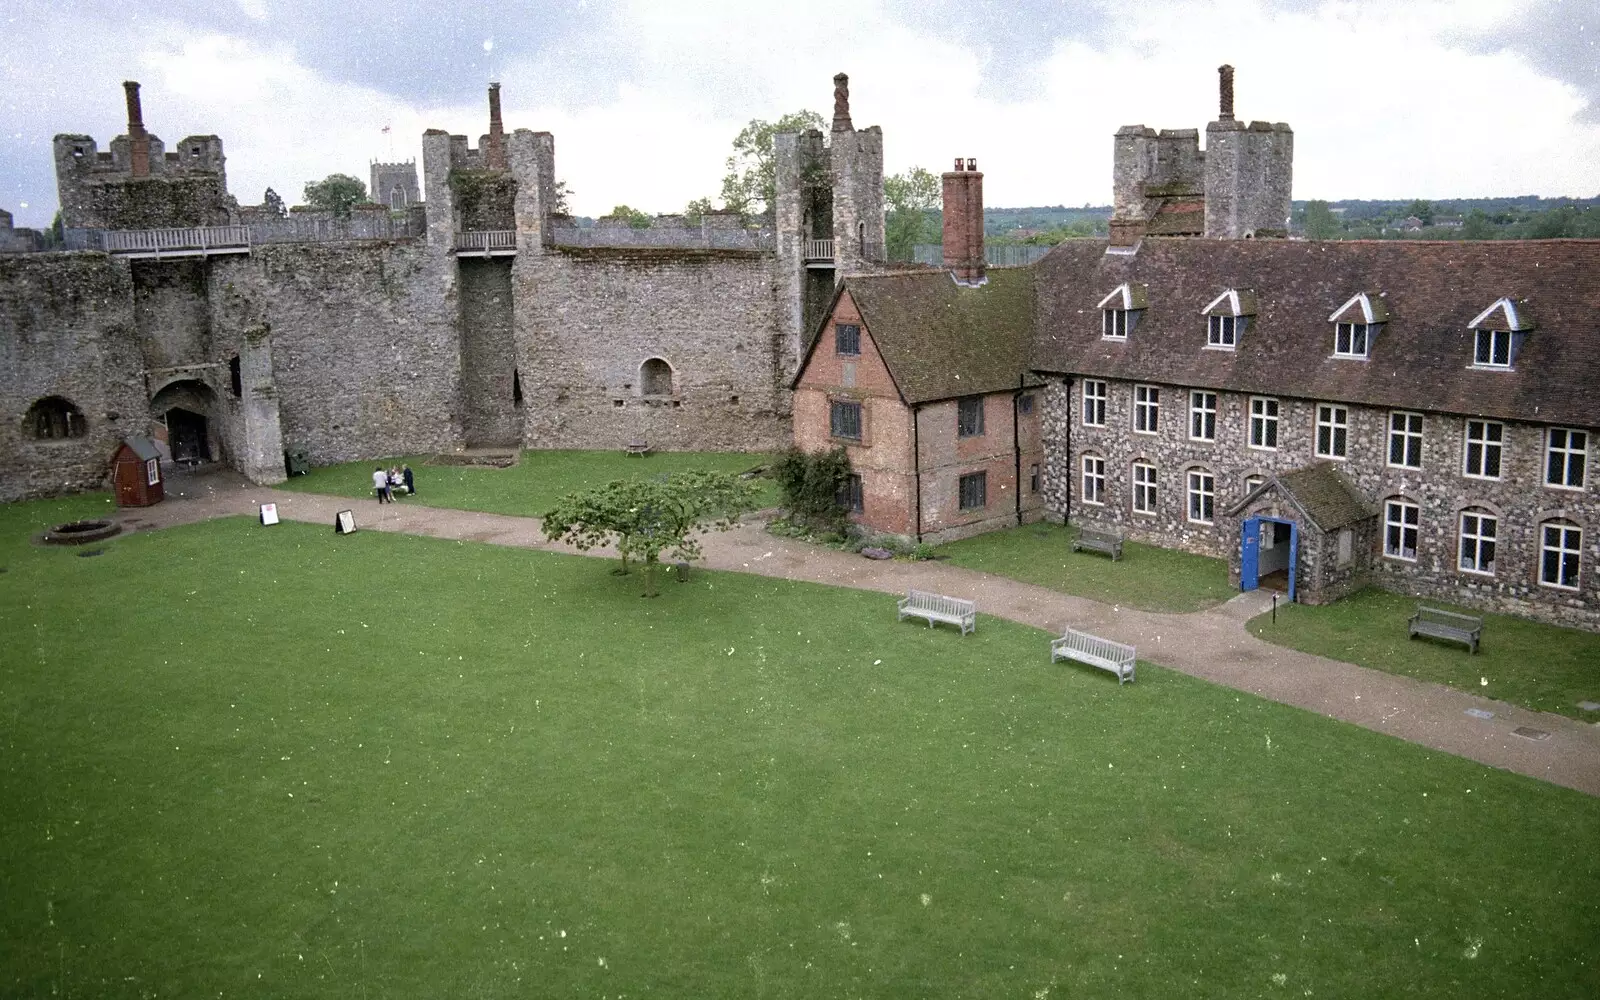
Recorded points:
(919, 375)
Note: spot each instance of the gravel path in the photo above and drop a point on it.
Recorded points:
(1211, 644)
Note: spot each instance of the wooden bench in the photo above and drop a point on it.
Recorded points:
(1095, 651)
(1446, 625)
(639, 448)
(938, 608)
(1098, 541)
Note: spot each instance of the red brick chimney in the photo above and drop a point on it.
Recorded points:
(1225, 109)
(495, 154)
(138, 138)
(963, 222)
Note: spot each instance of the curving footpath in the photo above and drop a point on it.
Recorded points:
(1212, 644)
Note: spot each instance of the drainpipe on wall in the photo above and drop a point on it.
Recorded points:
(1016, 441)
(916, 464)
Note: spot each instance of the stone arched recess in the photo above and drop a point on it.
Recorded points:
(655, 378)
(185, 416)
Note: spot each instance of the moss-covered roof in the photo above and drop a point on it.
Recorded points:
(941, 340)
(1321, 492)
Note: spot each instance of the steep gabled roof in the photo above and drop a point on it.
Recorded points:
(1321, 492)
(940, 340)
(1433, 292)
(142, 447)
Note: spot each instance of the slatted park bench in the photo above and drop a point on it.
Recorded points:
(1095, 651)
(1095, 540)
(938, 608)
(1446, 625)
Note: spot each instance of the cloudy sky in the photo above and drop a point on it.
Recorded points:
(1429, 98)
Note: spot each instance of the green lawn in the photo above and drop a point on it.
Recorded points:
(1147, 577)
(528, 488)
(1526, 663)
(278, 761)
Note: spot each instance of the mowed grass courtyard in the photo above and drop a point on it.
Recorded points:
(280, 762)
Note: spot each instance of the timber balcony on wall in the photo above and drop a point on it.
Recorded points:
(201, 241)
(487, 243)
(819, 253)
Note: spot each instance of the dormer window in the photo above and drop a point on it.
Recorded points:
(1120, 311)
(1356, 325)
(1497, 333)
(1227, 317)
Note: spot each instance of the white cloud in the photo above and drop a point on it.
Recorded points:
(1385, 99)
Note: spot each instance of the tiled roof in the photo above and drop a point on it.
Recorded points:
(143, 447)
(1420, 360)
(1329, 499)
(941, 340)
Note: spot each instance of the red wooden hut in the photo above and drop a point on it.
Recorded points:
(136, 472)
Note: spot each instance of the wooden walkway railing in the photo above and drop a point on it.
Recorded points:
(194, 242)
(819, 250)
(487, 243)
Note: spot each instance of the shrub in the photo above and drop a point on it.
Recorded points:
(810, 483)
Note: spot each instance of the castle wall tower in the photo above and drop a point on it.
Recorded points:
(856, 169)
(1249, 173)
(803, 212)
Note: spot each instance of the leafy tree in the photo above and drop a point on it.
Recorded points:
(632, 216)
(273, 202)
(562, 205)
(1476, 226)
(751, 180)
(1320, 222)
(913, 198)
(695, 212)
(336, 193)
(811, 483)
(649, 518)
(1422, 210)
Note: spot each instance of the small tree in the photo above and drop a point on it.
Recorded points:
(336, 193)
(632, 216)
(696, 211)
(811, 484)
(750, 185)
(650, 518)
(1320, 221)
(912, 198)
(562, 204)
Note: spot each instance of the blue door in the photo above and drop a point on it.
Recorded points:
(1250, 554)
(1294, 549)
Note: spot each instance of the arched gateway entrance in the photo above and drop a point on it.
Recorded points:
(186, 409)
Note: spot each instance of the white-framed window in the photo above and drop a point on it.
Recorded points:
(1481, 456)
(1491, 348)
(1094, 479)
(1224, 331)
(1202, 496)
(1251, 482)
(1144, 488)
(1478, 531)
(1146, 409)
(1350, 340)
(1566, 458)
(1202, 416)
(152, 471)
(1405, 440)
(1401, 519)
(1094, 403)
(1116, 324)
(1561, 554)
(1264, 423)
(1333, 430)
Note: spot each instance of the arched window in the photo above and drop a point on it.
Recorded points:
(655, 378)
(397, 197)
(53, 418)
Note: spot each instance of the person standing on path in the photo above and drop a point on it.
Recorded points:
(411, 484)
(380, 485)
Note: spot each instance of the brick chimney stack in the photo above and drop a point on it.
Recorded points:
(1226, 111)
(963, 223)
(841, 103)
(495, 155)
(138, 138)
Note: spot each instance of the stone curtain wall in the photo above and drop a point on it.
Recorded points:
(66, 329)
(364, 345)
(488, 355)
(587, 320)
(1519, 498)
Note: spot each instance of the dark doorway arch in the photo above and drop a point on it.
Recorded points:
(54, 418)
(186, 408)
